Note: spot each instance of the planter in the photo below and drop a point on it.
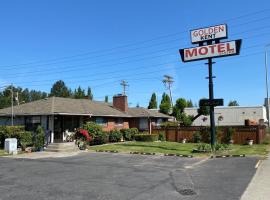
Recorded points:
(184, 141)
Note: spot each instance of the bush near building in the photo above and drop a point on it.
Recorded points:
(115, 136)
(24, 138)
(129, 133)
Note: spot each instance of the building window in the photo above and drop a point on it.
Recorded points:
(119, 121)
(32, 122)
(101, 121)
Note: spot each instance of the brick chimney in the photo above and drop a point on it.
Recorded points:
(120, 102)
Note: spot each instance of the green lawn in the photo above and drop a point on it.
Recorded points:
(178, 148)
(2, 152)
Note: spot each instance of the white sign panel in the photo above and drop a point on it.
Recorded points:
(211, 51)
(209, 33)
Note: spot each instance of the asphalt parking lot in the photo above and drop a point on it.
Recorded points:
(107, 176)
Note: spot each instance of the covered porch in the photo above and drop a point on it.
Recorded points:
(61, 125)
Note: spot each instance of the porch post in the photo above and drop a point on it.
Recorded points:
(51, 127)
(150, 126)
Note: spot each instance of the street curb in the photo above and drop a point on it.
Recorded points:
(107, 151)
(227, 156)
(178, 155)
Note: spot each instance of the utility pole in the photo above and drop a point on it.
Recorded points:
(266, 84)
(168, 81)
(124, 84)
(12, 110)
(211, 98)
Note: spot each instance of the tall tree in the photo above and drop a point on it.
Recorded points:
(189, 104)
(79, 93)
(165, 104)
(233, 103)
(153, 102)
(106, 99)
(59, 89)
(89, 93)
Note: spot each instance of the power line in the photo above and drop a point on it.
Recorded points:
(135, 43)
(153, 72)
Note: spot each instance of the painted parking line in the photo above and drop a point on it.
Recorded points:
(196, 163)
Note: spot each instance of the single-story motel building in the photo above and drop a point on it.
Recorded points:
(58, 115)
(231, 115)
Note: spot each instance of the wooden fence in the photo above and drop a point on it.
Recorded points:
(240, 136)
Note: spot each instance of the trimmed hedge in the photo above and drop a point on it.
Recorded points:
(10, 132)
(115, 136)
(146, 137)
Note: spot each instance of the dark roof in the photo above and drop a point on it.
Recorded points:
(68, 106)
(143, 112)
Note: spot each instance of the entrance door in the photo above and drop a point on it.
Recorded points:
(58, 129)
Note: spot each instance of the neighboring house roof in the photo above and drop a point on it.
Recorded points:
(143, 112)
(68, 106)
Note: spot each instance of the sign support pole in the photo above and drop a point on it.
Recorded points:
(211, 97)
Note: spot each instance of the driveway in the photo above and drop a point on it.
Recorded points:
(106, 176)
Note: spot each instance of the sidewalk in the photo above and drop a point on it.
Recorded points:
(259, 187)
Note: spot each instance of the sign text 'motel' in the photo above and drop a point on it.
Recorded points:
(209, 33)
(211, 51)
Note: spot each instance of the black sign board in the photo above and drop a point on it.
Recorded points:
(208, 102)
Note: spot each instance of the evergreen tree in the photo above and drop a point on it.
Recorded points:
(153, 102)
(233, 103)
(106, 99)
(89, 93)
(165, 104)
(189, 104)
(59, 89)
(79, 93)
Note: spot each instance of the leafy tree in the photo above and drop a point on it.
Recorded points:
(202, 110)
(89, 93)
(165, 104)
(233, 103)
(106, 99)
(59, 89)
(153, 102)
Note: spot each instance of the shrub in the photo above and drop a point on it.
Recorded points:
(115, 136)
(145, 137)
(126, 134)
(39, 138)
(99, 138)
(92, 128)
(83, 134)
(96, 133)
(217, 147)
(161, 136)
(169, 124)
(9, 132)
(204, 147)
(197, 137)
(26, 139)
(228, 135)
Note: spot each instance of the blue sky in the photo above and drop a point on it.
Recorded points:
(97, 43)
